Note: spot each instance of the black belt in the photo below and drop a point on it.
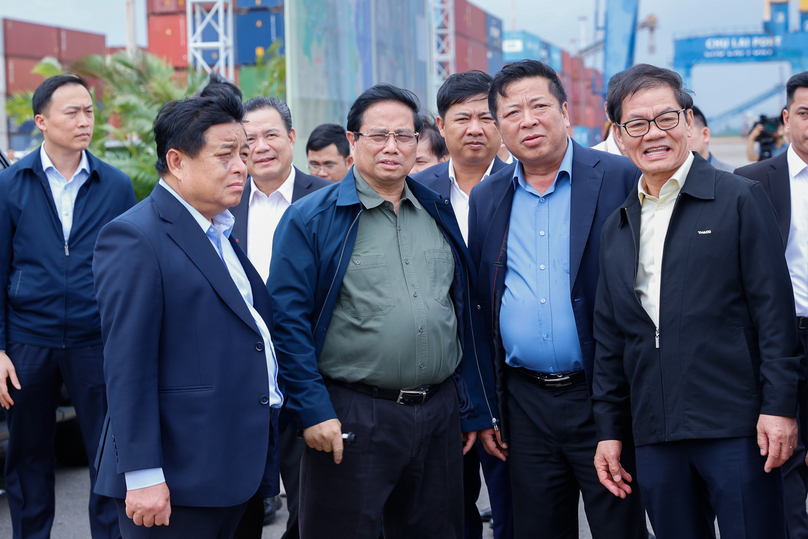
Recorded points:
(410, 397)
(551, 381)
(802, 322)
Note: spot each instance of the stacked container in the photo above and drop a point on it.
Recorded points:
(168, 31)
(257, 24)
(471, 37)
(495, 35)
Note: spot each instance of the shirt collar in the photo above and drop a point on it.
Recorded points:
(673, 186)
(566, 166)
(795, 163)
(453, 177)
(371, 199)
(223, 222)
(84, 164)
(286, 189)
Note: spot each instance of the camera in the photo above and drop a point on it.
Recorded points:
(766, 139)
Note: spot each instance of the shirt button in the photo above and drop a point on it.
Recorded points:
(407, 261)
(542, 266)
(415, 294)
(264, 399)
(541, 233)
(422, 365)
(479, 307)
(420, 330)
(259, 346)
(541, 200)
(545, 337)
(543, 300)
(358, 262)
(661, 206)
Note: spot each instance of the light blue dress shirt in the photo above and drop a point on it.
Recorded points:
(217, 233)
(65, 191)
(536, 320)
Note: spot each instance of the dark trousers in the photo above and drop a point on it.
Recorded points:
(186, 523)
(551, 456)
(685, 484)
(406, 468)
(795, 472)
(498, 482)
(29, 466)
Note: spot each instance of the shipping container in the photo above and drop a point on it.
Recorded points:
(494, 33)
(578, 70)
(247, 79)
(520, 46)
(470, 55)
(165, 7)
(470, 21)
(555, 58)
(581, 135)
(28, 40)
(264, 4)
(495, 61)
(595, 136)
(168, 38)
(74, 44)
(255, 31)
(567, 83)
(566, 62)
(18, 75)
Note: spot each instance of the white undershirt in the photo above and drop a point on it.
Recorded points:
(262, 219)
(460, 200)
(797, 245)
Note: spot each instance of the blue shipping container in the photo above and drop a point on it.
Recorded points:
(555, 58)
(495, 61)
(518, 45)
(581, 135)
(256, 30)
(261, 4)
(211, 56)
(494, 32)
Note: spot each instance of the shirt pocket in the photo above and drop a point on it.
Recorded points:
(369, 292)
(440, 265)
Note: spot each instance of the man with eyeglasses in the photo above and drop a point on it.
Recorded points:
(377, 336)
(328, 152)
(694, 323)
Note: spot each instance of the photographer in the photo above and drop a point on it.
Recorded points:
(768, 133)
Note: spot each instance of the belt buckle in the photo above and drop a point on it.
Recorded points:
(561, 381)
(801, 320)
(403, 393)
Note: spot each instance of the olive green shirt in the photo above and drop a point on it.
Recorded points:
(394, 324)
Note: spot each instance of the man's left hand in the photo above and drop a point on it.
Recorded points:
(777, 438)
(468, 440)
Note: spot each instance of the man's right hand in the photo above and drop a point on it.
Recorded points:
(492, 443)
(7, 372)
(325, 436)
(150, 506)
(610, 472)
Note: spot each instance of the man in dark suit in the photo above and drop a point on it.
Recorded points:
(534, 231)
(468, 127)
(272, 186)
(785, 180)
(191, 432)
(694, 323)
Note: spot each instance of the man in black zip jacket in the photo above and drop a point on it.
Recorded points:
(694, 323)
(52, 205)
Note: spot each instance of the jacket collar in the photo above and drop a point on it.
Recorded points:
(33, 162)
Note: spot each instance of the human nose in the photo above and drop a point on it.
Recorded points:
(391, 144)
(529, 119)
(321, 172)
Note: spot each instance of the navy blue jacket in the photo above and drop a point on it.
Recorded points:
(312, 248)
(184, 361)
(48, 298)
(727, 341)
(600, 183)
(436, 177)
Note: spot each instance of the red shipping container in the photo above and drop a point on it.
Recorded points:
(470, 55)
(470, 22)
(566, 82)
(168, 38)
(74, 44)
(165, 7)
(578, 72)
(566, 63)
(28, 40)
(19, 77)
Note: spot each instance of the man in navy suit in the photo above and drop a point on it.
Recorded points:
(191, 432)
(534, 231)
(468, 127)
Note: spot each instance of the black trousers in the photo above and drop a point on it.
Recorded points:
(551, 456)
(498, 482)
(795, 472)
(185, 523)
(406, 468)
(686, 483)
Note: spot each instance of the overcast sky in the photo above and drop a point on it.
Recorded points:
(717, 88)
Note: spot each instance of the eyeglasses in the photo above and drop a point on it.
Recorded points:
(665, 122)
(329, 167)
(405, 138)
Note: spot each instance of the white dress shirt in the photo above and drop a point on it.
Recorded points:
(217, 233)
(656, 216)
(609, 145)
(797, 245)
(65, 191)
(460, 200)
(264, 214)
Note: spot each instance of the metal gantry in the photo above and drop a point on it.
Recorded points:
(210, 29)
(442, 26)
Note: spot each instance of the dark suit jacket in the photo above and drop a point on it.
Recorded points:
(437, 177)
(184, 361)
(304, 185)
(773, 176)
(600, 183)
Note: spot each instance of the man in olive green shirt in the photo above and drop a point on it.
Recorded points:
(372, 325)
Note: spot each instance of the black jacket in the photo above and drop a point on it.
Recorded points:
(727, 340)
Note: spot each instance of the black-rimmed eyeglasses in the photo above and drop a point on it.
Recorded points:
(640, 127)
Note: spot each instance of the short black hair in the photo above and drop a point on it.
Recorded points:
(800, 80)
(524, 69)
(612, 83)
(377, 94)
(698, 116)
(260, 103)
(219, 84)
(644, 77)
(431, 134)
(327, 134)
(181, 125)
(461, 87)
(44, 92)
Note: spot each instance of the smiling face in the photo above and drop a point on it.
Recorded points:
(212, 181)
(470, 132)
(67, 122)
(658, 154)
(532, 122)
(389, 164)
(271, 146)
